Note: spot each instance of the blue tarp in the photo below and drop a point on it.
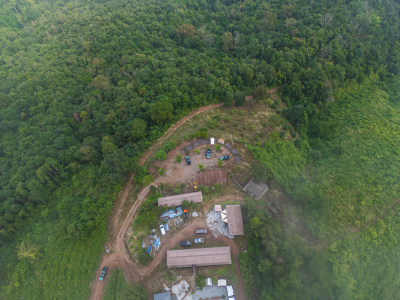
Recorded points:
(166, 226)
(156, 242)
(148, 249)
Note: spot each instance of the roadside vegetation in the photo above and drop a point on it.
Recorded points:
(118, 289)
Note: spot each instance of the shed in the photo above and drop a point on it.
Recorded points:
(218, 207)
(178, 199)
(212, 141)
(256, 190)
(235, 220)
(229, 288)
(200, 257)
(221, 282)
(162, 296)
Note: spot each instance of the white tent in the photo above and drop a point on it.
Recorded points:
(209, 282)
(212, 141)
(229, 288)
(224, 216)
(221, 282)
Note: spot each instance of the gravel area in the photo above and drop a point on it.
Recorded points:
(209, 292)
(216, 224)
(180, 289)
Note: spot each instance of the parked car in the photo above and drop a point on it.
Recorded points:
(225, 157)
(187, 158)
(103, 273)
(199, 241)
(208, 153)
(162, 229)
(186, 243)
(200, 230)
(185, 216)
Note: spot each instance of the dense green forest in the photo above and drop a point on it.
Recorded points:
(85, 86)
(347, 179)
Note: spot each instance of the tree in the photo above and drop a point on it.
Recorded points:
(227, 40)
(161, 155)
(201, 167)
(161, 112)
(260, 93)
(220, 163)
(28, 250)
(178, 158)
(139, 127)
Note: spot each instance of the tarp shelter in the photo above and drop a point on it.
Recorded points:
(178, 199)
(212, 141)
(221, 282)
(200, 257)
(162, 296)
(148, 249)
(229, 289)
(208, 282)
(224, 216)
(221, 141)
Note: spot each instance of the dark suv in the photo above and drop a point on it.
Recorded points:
(186, 243)
(208, 153)
(103, 273)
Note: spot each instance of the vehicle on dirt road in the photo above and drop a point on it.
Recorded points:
(225, 157)
(103, 273)
(185, 216)
(200, 230)
(187, 158)
(208, 153)
(186, 243)
(162, 229)
(199, 241)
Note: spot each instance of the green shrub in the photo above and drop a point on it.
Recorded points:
(178, 158)
(161, 155)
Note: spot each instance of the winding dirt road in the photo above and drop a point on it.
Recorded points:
(119, 257)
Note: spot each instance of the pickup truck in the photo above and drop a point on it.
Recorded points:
(199, 241)
(225, 157)
(187, 158)
(208, 153)
(103, 273)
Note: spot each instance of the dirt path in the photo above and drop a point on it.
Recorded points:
(174, 128)
(119, 258)
(356, 229)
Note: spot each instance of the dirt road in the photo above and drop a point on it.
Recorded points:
(174, 128)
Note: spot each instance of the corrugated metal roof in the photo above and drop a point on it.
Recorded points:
(199, 257)
(235, 220)
(178, 199)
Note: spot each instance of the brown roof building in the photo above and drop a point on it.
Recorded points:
(178, 199)
(235, 220)
(199, 257)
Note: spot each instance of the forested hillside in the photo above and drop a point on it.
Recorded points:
(86, 86)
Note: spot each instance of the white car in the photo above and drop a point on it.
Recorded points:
(162, 229)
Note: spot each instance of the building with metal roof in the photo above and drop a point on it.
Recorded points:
(176, 200)
(200, 257)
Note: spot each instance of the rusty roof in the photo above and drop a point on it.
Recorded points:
(235, 220)
(200, 257)
(178, 199)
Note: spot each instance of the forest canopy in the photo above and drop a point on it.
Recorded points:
(86, 86)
